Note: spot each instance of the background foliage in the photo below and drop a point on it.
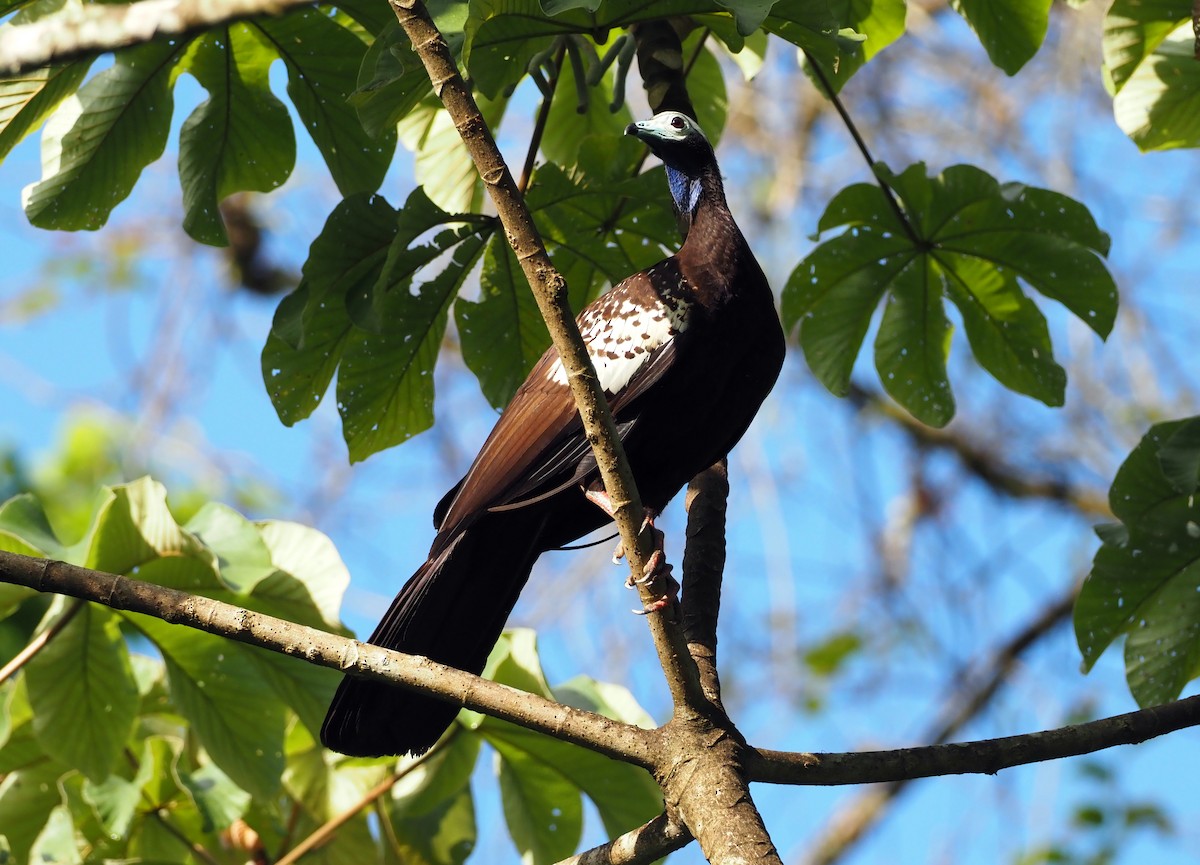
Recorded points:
(174, 756)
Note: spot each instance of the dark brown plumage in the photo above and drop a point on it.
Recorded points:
(686, 351)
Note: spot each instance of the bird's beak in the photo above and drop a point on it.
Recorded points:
(634, 129)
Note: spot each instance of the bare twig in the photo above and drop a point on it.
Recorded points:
(909, 228)
(39, 642)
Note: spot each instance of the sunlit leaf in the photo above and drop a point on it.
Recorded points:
(1145, 581)
(97, 143)
(83, 693)
(1011, 30)
(26, 100)
(238, 139)
(1159, 105)
(1133, 30)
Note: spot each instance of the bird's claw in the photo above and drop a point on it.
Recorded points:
(656, 567)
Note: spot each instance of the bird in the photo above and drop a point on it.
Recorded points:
(686, 352)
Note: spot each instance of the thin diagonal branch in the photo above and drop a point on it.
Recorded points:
(39, 642)
(329, 828)
(611, 738)
(832, 94)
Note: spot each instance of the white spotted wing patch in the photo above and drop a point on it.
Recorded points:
(622, 330)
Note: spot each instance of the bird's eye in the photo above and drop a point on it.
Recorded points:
(677, 122)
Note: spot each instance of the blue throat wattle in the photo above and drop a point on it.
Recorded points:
(684, 189)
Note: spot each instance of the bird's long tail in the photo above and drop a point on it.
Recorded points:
(452, 610)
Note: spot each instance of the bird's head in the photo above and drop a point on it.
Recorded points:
(679, 142)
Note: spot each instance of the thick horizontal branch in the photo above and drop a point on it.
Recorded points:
(589, 730)
(96, 28)
(987, 756)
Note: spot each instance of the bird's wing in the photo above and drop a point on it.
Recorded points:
(538, 441)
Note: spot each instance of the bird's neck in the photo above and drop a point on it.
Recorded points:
(714, 253)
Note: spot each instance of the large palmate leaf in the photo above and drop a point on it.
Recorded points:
(1145, 579)
(964, 237)
(97, 143)
(238, 139)
(1011, 30)
(361, 311)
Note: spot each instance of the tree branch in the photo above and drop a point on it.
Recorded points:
(93, 29)
(587, 729)
(987, 756)
(703, 564)
(23, 657)
(640, 846)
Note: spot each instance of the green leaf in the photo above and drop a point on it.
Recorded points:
(625, 795)
(385, 381)
(133, 527)
(242, 556)
(1133, 30)
(965, 237)
(322, 60)
(391, 82)
(443, 835)
(503, 334)
(433, 813)
(55, 845)
(438, 777)
(442, 165)
(83, 693)
(311, 558)
(97, 143)
(1145, 582)
(1179, 458)
(216, 687)
(218, 799)
(503, 36)
(542, 808)
(913, 344)
(27, 796)
(1159, 103)
(312, 325)
(24, 529)
(240, 117)
(1011, 30)
(26, 100)
(879, 22)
